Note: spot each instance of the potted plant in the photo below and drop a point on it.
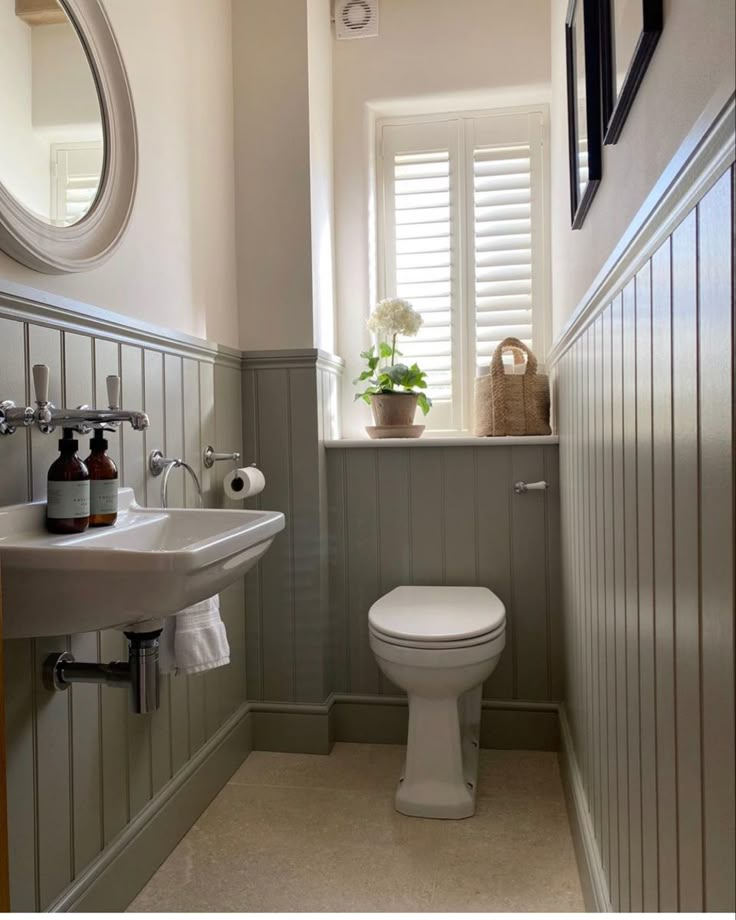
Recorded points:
(393, 390)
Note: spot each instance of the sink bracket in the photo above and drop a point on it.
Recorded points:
(140, 674)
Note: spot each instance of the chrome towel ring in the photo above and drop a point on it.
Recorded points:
(158, 464)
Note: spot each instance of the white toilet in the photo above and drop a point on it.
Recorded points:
(439, 644)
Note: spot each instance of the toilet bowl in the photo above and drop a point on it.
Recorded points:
(439, 644)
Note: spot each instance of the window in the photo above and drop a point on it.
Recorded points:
(76, 168)
(463, 236)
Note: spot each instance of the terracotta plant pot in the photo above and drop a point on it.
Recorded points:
(394, 410)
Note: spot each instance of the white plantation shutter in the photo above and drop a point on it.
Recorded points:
(422, 250)
(75, 170)
(464, 239)
(507, 229)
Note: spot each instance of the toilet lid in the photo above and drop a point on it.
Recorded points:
(437, 614)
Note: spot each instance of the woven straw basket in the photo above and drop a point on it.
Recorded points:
(512, 404)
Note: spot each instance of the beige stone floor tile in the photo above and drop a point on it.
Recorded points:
(248, 817)
(531, 774)
(319, 833)
(348, 766)
(291, 878)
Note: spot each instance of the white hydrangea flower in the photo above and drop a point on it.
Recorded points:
(394, 317)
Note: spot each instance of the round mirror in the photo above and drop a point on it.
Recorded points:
(68, 152)
(52, 156)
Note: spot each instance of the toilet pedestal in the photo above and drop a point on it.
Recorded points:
(441, 770)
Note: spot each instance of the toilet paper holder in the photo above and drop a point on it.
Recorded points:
(521, 487)
(211, 457)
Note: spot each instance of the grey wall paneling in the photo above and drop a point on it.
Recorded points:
(289, 401)
(446, 516)
(716, 485)
(80, 766)
(647, 467)
(15, 480)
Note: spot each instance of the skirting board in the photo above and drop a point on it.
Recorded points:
(505, 725)
(111, 882)
(590, 867)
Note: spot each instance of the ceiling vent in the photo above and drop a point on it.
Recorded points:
(356, 19)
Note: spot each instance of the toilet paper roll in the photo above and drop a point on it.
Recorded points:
(244, 483)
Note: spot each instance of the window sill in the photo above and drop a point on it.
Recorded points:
(447, 441)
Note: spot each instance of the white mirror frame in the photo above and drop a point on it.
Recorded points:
(88, 243)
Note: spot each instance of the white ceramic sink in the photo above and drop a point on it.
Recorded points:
(151, 564)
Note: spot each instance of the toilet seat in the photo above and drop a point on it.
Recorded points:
(446, 658)
(420, 643)
(426, 617)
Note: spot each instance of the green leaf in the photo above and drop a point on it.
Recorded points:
(368, 354)
(397, 374)
(424, 402)
(385, 350)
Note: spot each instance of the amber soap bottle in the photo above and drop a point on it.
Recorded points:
(67, 508)
(103, 485)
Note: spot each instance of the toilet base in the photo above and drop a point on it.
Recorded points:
(440, 773)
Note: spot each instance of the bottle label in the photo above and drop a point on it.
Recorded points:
(68, 499)
(103, 496)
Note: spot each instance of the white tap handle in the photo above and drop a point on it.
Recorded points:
(41, 375)
(521, 487)
(113, 391)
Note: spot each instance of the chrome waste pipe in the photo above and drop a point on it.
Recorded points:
(140, 674)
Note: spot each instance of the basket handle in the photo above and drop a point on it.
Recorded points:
(511, 342)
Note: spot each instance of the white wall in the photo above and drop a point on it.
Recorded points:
(321, 167)
(176, 265)
(693, 61)
(64, 90)
(272, 173)
(431, 56)
(24, 157)
(283, 169)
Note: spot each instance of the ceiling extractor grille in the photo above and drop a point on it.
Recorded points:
(356, 19)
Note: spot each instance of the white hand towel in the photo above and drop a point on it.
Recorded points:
(194, 639)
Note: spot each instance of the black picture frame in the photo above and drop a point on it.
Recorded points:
(616, 108)
(582, 32)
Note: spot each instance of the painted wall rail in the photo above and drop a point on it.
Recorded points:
(80, 767)
(644, 386)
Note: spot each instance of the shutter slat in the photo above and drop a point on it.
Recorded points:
(439, 229)
(422, 260)
(487, 199)
(423, 185)
(486, 349)
(503, 227)
(428, 289)
(503, 288)
(509, 242)
(424, 245)
(491, 215)
(486, 322)
(424, 274)
(502, 258)
(503, 273)
(421, 201)
(492, 304)
(507, 182)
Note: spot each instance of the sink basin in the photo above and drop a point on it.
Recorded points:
(152, 563)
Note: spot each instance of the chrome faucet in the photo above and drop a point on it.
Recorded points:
(82, 419)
